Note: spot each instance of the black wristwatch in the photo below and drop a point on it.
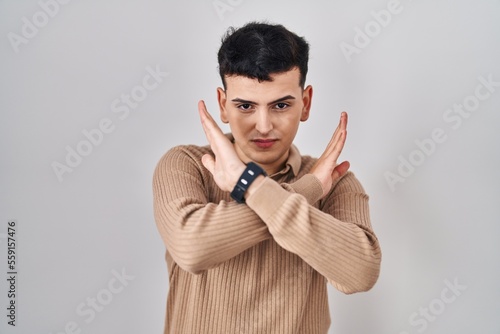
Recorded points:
(249, 175)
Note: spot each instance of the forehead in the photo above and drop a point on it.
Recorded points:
(286, 83)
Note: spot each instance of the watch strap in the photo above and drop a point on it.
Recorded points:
(247, 177)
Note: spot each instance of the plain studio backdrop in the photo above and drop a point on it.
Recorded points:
(93, 93)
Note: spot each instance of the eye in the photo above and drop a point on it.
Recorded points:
(281, 106)
(245, 107)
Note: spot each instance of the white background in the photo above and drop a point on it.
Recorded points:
(73, 236)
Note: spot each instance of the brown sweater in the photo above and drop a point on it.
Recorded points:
(259, 267)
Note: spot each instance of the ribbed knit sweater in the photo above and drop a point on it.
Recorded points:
(262, 266)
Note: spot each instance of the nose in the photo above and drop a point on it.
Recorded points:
(263, 123)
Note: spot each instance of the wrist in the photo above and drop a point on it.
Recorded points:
(254, 186)
(251, 173)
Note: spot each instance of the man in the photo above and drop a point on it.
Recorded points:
(253, 230)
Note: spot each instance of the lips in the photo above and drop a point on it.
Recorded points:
(264, 143)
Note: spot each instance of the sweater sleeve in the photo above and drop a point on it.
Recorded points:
(199, 234)
(336, 239)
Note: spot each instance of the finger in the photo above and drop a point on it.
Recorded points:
(204, 112)
(343, 119)
(342, 126)
(339, 145)
(209, 125)
(209, 162)
(333, 154)
(336, 146)
(337, 129)
(340, 170)
(205, 118)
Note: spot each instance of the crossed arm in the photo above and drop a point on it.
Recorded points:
(335, 239)
(226, 166)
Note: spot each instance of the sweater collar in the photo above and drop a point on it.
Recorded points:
(293, 162)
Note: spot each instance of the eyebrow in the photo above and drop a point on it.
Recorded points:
(284, 98)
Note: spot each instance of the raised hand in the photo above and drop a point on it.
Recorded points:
(226, 166)
(326, 168)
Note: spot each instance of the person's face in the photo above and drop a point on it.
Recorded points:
(264, 116)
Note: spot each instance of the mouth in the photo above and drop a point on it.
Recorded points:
(264, 143)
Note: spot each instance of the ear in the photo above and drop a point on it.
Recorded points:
(221, 98)
(307, 95)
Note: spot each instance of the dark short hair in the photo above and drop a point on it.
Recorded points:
(259, 49)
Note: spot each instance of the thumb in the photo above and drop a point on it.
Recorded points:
(209, 162)
(340, 170)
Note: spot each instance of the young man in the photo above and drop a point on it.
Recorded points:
(253, 230)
